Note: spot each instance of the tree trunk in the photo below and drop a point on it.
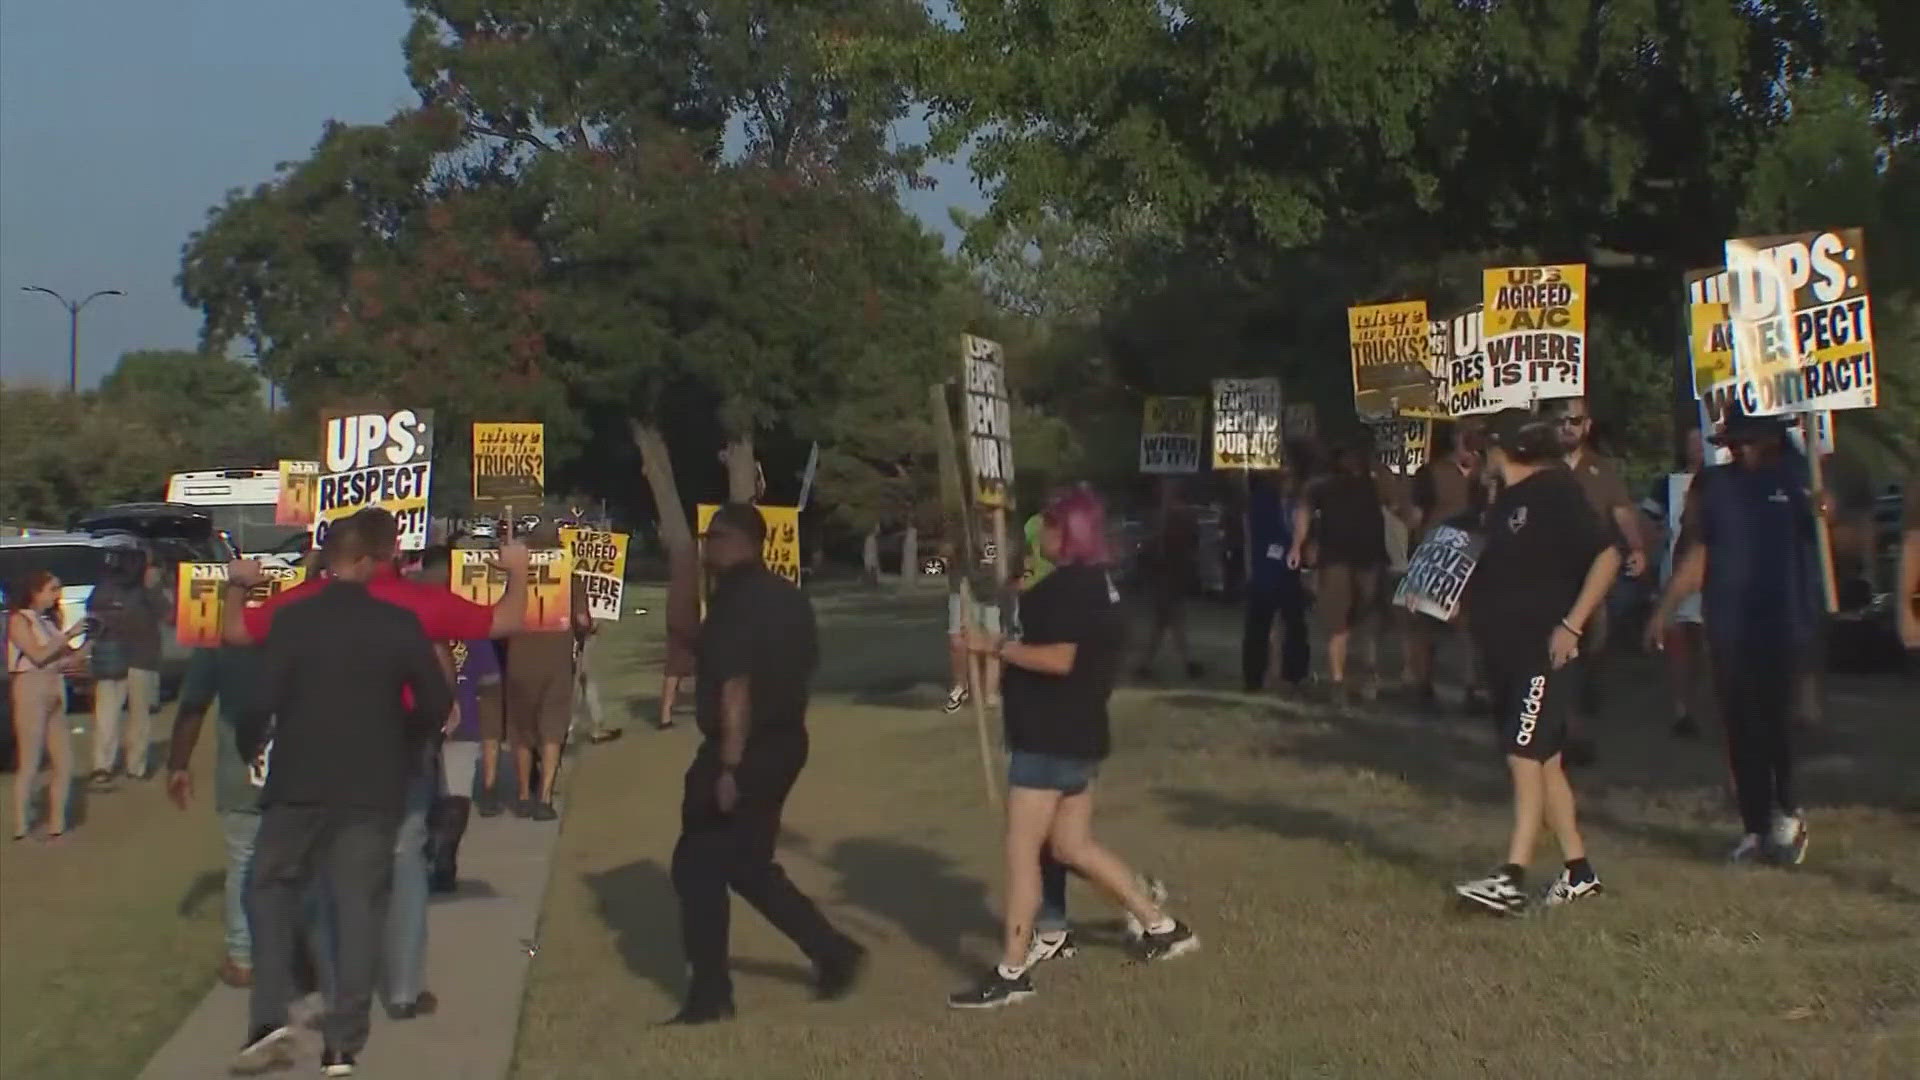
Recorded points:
(910, 556)
(870, 555)
(656, 464)
(743, 472)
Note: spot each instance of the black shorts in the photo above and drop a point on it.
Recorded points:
(1533, 702)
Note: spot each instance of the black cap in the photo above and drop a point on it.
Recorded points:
(1742, 428)
(1504, 428)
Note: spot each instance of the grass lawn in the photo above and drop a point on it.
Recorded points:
(109, 937)
(1311, 853)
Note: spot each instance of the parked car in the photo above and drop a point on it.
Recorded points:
(172, 533)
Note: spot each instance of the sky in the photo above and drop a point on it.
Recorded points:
(122, 122)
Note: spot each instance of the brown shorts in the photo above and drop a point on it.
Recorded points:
(1347, 596)
(493, 718)
(539, 707)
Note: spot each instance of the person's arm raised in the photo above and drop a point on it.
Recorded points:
(510, 614)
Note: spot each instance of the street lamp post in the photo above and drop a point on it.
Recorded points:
(73, 328)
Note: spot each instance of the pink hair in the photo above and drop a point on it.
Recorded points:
(1080, 518)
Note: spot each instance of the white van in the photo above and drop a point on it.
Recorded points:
(242, 504)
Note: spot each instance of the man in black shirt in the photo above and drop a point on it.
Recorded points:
(754, 672)
(355, 691)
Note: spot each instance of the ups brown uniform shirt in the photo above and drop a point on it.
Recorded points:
(1606, 492)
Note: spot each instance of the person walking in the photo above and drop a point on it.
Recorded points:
(756, 658)
(1684, 637)
(130, 607)
(37, 654)
(1446, 490)
(1060, 675)
(1274, 588)
(539, 689)
(1749, 550)
(1546, 569)
(356, 694)
(588, 714)
(683, 629)
(1171, 570)
(1343, 515)
(474, 668)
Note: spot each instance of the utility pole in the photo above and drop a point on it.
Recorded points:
(73, 328)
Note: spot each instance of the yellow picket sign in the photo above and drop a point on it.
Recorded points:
(549, 584)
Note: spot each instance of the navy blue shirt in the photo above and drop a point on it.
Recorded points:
(1270, 528)
(1762, 589)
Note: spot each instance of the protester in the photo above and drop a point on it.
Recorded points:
(539, 686)
(1606, 492)
(1169, 567)
(1446, 490)
(37, 653)
(683, 628)
(338, 664)
(1274, 587)
(473, 667)
(130, 606)
(1546, 569)
(588, 715)
(757, 655)
(231, 677)
(1685, 640)
(984, 614)
(1059, 677)
(1341, 512)
(1749, 549)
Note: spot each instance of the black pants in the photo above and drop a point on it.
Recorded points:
(351, 851)
(1287, 599)
(1757, 703)
(720, 851)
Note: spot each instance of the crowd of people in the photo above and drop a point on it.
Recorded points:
(363, 714)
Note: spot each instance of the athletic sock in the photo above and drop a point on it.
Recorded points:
(1579, 870)
(1515, 873)
(1010, 973)
(1164, 926)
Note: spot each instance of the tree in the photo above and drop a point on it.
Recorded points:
(207, 407)
(62, 454)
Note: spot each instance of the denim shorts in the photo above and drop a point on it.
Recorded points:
(1051, 772)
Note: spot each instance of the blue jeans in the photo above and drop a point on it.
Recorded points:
(1069, 776)
(406, 948)
(239, 829)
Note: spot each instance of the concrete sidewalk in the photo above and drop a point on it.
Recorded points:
(478, 949)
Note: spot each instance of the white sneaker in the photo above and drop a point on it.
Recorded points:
(1565, 890)
(1751, 849)
(956, 697)
(1057, 945)
(1788, 844)
(1496, 892)
(1156, 891)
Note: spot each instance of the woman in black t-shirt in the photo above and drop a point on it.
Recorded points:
(1057, 680)
(1546, 568)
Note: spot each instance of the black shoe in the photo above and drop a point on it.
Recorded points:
(100, 777)
(695, 1014)
(837, 978)
(523, 808)
(993, 992)
(605, 736)
(267, 1050)
(1686, 727)
(487, 805)
(1178, 941)
(543, 811)
(336, 1062)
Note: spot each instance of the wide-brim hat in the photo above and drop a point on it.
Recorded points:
(1741, 428)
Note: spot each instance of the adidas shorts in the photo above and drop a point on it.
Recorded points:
(1533, 703)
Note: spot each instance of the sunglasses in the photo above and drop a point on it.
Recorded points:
(1574, 421)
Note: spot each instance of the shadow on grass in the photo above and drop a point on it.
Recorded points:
(638, 903)
(1197, 808)
(204, 887)
(922, 893)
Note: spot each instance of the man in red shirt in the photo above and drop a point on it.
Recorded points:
(444, 615)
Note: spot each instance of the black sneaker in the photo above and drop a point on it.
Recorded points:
(336, 1062)
(487, 805)
(605, 735)
(523, 808)
(424, 1005)
(694, 1014)
(543, 811)
(956, 697)
(1056, 945)
(1498, 892)
(837, 978)
(1178, 941)
(268, 1049)
(996, 991)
